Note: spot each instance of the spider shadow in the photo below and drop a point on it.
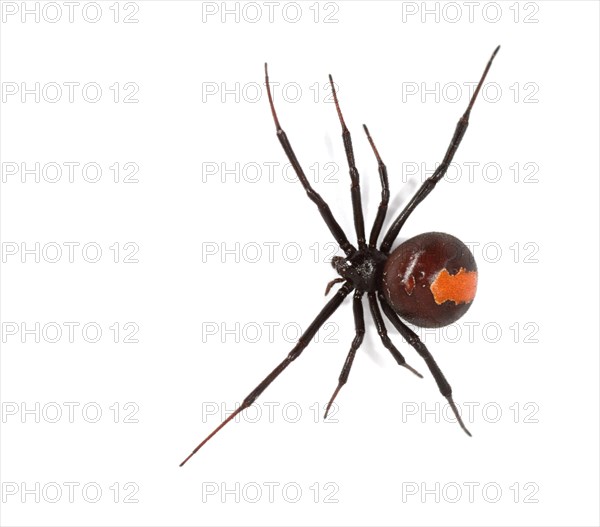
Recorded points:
(398, 199)
(371, 345)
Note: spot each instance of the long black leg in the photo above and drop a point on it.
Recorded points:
(378, 319)
(359, 222)
(385, 194)
(412, 338)
(324, 209)
(359, 324)
(302, 343)
(440, 171)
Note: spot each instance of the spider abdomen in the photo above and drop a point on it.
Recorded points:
(430, 280)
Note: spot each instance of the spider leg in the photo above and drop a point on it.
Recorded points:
(314, 196)
(359, 324)
(332, 283)
(385, 339)
(359, 222)
(385, 194)
(440, 171)
(412, 338)
(302, 343)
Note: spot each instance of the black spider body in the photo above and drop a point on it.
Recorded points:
(429, 280)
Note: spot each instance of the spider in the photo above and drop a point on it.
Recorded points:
(429, 280)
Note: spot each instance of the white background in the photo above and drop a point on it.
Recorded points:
(524, 358)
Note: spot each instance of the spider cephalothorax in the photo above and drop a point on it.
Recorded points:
(429, 280)
(364, 269)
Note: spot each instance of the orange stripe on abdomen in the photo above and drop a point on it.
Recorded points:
(459, 288)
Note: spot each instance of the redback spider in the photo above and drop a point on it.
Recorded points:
(429, 280)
